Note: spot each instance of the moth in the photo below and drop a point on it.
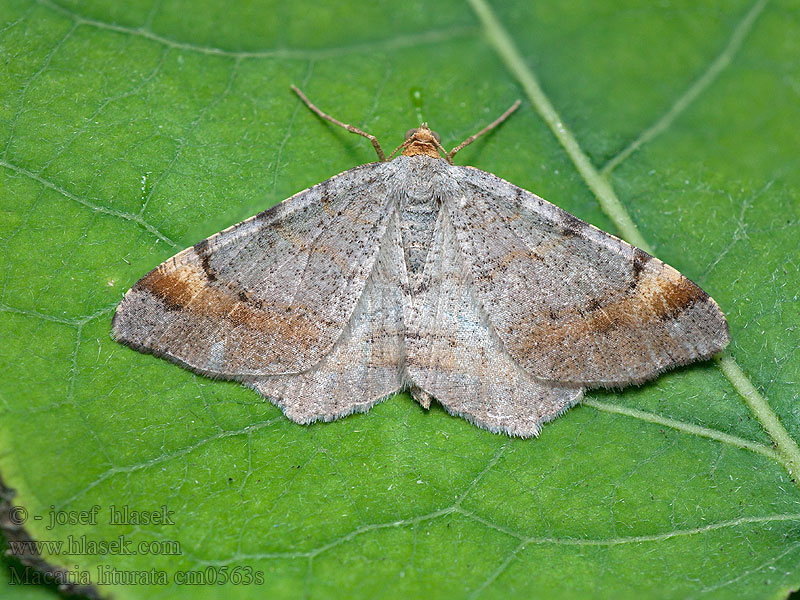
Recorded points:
(415, 273)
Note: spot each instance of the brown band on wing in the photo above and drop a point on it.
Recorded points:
(188, 289)
(679, 298)
(654, 299)
(511, 256)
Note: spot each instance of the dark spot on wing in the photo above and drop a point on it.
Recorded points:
(571, 225)
(201, 249)
(325, 196)
(640, 259)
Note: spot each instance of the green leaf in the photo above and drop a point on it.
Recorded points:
(22, 584)
(131, 130)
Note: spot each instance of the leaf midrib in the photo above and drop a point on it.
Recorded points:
(610, 204)
(500, 40)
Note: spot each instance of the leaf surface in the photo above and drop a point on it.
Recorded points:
(129, 131)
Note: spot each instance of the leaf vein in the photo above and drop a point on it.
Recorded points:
(27, 85)
(90, 205)
(397, 43)
(525, 540)
(698, 86)
(691, 428)
(504, 46)
(189, 131)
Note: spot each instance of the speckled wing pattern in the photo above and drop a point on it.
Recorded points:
(271, 295)
(454, 354)
(417, 274)
(365, 364)
(571, 303)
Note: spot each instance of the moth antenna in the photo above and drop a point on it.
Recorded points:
(349, 128)
(449, 156)
(400, 147)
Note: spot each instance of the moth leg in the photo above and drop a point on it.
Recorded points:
(421, 396)
(486, 129)
(349, 128)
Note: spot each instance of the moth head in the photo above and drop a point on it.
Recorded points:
(422, 141)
